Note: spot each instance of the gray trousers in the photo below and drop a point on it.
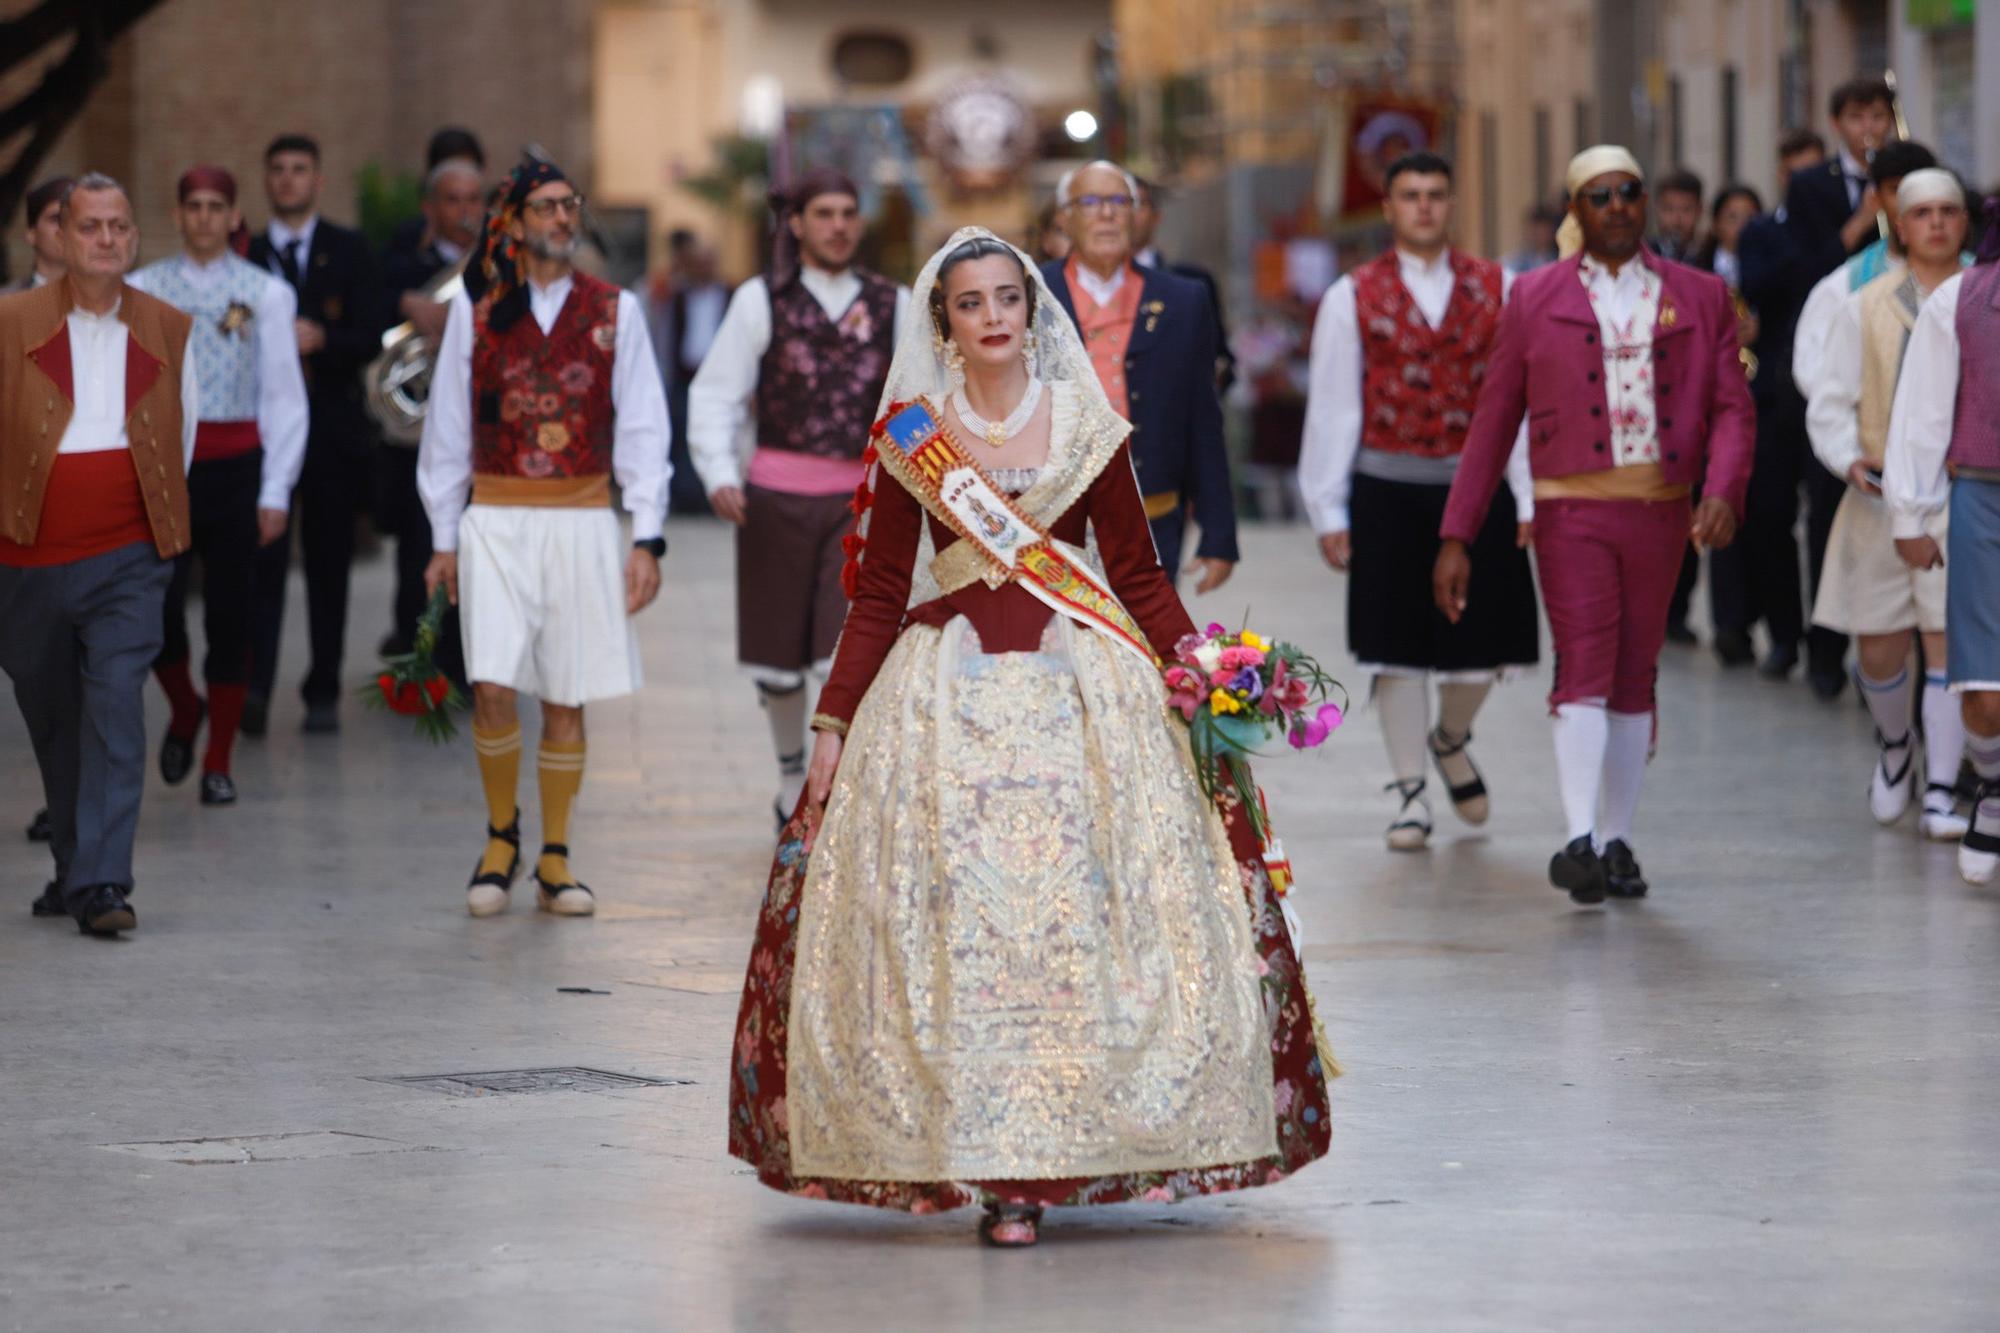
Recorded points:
(78, 643)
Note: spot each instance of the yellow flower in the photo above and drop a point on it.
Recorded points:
(1222, 701)
(1253, 640)
(552, 437)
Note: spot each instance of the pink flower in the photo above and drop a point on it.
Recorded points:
(1158, 1194)
(1275, 1176)
(1308, 733)
(576, 377)
(1180, 678)
(922, 1207)
(1187, 645)
(779, 1123)
(811, 1191)
(1239, 657)
(1281, 1098)
(1217, 632)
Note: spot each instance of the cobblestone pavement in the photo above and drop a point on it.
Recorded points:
(1765, 1099)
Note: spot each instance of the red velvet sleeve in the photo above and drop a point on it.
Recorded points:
(1125, 542)
(875, 616)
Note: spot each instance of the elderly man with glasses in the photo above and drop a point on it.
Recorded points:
(1153, 340)
(1625, 368)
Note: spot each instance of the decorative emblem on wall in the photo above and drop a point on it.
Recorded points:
(982, 132)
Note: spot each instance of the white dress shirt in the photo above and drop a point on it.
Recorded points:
(639, 437)
(282, 234)
(1332, 436)
(282, 414)
(97, 388)
(1627, 303)
(1832, 421)
(720, 417)
(1914, 481)
(1809, 335)
(1101, 290)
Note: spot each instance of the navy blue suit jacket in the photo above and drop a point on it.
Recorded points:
(1816, 208)
(1170, 388)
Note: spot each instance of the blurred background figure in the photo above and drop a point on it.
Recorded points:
(1677, 216)
(685, 310)
(1146, 254)
(44, 235)
(1047, 241)
(1538, 239)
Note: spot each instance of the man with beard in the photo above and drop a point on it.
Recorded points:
(1625, 368)
(248, 449)
(801, 357)
(339, 332)
(544, 391)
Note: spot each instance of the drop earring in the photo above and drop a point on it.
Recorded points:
(954, 361)
(1028, 351)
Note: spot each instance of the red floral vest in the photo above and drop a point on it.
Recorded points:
(542, 402)
(1419, 384)
(1975, 429)
(821, 380)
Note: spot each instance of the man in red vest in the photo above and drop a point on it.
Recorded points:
(1399, 351)
(97, 416)
(544, 391)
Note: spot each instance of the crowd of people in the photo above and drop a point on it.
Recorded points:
(964, 515)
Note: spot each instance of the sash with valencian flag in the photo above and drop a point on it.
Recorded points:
(913, 445)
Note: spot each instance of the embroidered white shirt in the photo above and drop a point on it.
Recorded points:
(1628, 306)
(1914, 481)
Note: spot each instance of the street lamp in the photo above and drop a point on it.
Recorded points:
(1080, 126)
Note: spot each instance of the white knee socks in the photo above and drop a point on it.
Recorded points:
(1944, 730)
(1582, 734)
(1888, 703)
(785, 711)
(1458, 704)
(1629, 736)
(1403, 704)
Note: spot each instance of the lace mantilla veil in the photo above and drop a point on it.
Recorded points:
(919, 370)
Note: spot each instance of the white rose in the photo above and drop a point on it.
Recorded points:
(1208, 656)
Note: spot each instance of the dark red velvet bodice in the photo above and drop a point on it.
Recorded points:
(1008, 618)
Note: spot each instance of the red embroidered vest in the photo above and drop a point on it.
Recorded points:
(1975, 429)
(541, 403)
(821, 379)
(1419, 384)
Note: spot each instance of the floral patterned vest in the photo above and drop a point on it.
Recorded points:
(821, 381)
(1419, 384)
(541, 403)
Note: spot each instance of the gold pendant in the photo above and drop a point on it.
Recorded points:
(996, 434)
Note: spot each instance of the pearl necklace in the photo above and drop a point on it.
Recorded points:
(997, 433)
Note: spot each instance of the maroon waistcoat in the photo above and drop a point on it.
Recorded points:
(1419, 384)
(542, 402)
(822, 379)
(1975, 423)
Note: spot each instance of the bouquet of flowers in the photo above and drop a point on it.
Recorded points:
(1237, 692)
(412, 684)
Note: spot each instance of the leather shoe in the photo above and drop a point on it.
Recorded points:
(1579, 871)
(1732, 646)
(322, 719)
(1678, 632)
(218, 789)
(1622, 878)
(1778, 663)
(1826, 685)
(105, 912)
(256, 718)
(39, 828)
(177, 754)
(50, 903)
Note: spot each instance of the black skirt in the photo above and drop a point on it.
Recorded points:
(1391, 618)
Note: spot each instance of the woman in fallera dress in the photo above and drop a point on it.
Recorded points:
(1009, 953)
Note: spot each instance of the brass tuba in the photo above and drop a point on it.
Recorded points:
(398, 381)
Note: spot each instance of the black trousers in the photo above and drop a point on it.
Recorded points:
(1757, 576)
(1826, 649)
(325, 505)
(399, 513)
(222, 527)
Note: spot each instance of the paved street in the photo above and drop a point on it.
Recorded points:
(1765, 1099)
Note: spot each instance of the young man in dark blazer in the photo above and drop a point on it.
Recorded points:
(1152, 338)
(339, 332)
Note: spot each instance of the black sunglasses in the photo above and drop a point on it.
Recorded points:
(1631, 192)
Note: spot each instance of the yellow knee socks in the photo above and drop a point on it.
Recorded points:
(560, 767)
(499, 773)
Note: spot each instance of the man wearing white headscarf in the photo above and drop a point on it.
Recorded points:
(1625, 368)
(1865, 589)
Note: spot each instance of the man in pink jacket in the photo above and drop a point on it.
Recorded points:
(1625, 367)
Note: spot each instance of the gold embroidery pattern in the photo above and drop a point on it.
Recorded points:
(1024, 948)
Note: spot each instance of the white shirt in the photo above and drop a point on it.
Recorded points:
(1101, 289)
(639, 436)
(282, 415)
(1914, 482)
(97, 388)
(1809, 335)
(1854, 175)
(720, 399)
(1332, 437)
(1832, 423)
(1628, 306)
(282, 234)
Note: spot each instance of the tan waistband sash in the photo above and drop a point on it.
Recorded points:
(1641, 481)
(542, 492)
